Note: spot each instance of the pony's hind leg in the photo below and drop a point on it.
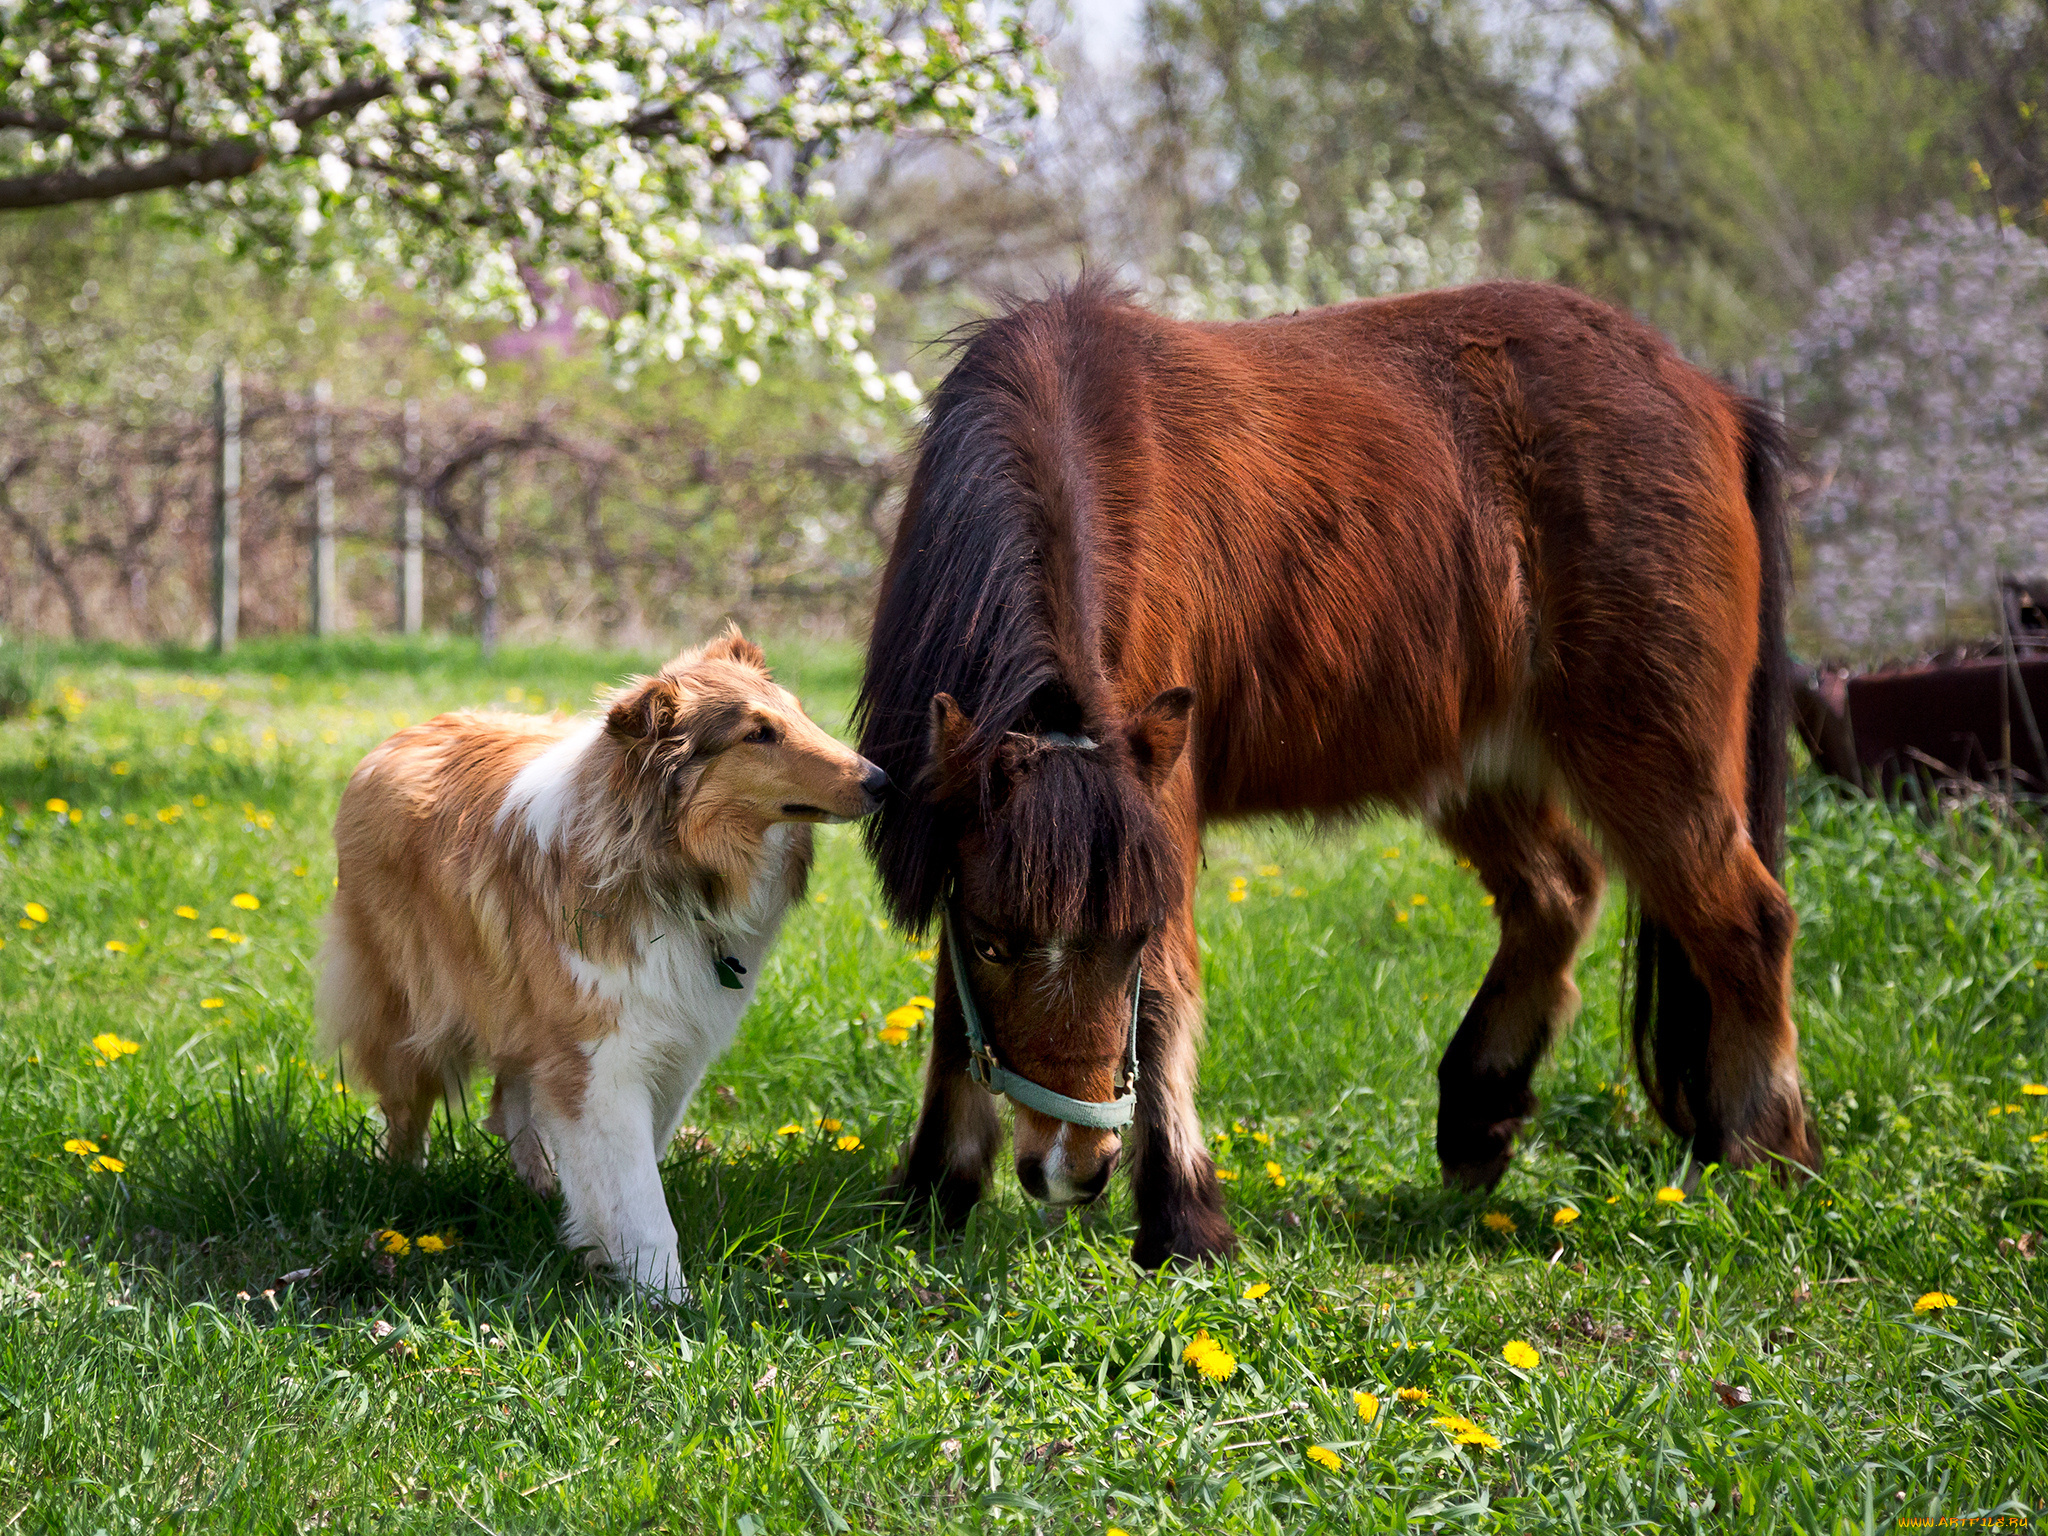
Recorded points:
(1715, 1042)
(1714, 1038)
(1546, 884)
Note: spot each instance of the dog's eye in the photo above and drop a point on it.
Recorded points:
(762, 736)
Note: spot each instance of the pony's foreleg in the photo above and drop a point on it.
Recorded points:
(951, 1154)
(1173, 1180)
(1546, 884)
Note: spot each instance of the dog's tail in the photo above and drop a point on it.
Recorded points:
(1670, 1011)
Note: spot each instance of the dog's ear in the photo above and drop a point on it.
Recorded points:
(948, 772)
(734, 646)
(646, 709)
(1158, 734)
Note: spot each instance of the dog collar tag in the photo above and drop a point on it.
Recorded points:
(729, 972)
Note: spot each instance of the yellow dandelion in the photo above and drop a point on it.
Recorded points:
(199, 802)
(2034, 1090)
(1227, 1175)
(37, 912)
(436, 1242)
(393, 1241)
(131, 820)
(1671, 1194)
(1269, 871)
(1279, 1179)
(1564, 1215)
(213, 1002)
(1453, 1423)
(113, 1047)
(827, 1123)
(1476, 1436)
(190, 914)
(1367, 1404)
(904, 1018)
(1254, 1292)
(1520, 1354)
(1418, 900)
(1237, 893)
(1498, 1221)
(848, 1143)
(107, 1165)
(1400, 917)
(81, 1146)
(1210, 1358)
(57, 807)
(791, 1129)
(1412, 1395)
(170, 813)
(1297, 890)
(1486, 901)
(927, 954)
(245, 901)
(1325, 1458)
(920, 1001)
(1390, 853)
(117, 947)
(120, 768)
(2039, 1136)
(1934, 1301)
(2013, 1109)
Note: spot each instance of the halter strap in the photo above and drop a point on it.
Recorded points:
(983, 1067)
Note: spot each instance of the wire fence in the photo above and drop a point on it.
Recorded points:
(270, 509)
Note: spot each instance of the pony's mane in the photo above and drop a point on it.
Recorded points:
(989, 594)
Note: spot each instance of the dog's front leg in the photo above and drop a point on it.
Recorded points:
(610, 1173)
(950, 1155)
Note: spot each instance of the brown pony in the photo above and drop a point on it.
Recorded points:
(1492, 555)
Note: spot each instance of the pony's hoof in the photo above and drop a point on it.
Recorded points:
(1194, 1245)
(950, 1198)
(1475, 1159)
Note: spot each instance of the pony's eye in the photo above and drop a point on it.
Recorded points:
(990, 951)
(762, 736)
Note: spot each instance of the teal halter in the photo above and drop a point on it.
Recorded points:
(983, 1067)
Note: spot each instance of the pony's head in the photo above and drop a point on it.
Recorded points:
(1062, 867)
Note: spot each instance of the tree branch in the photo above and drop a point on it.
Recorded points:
(226, 160)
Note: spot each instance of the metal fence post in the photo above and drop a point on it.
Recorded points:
(412, 528)
(487, 575)
(324, 594)
(227, 505)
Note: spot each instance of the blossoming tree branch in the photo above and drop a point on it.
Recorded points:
(667, 152)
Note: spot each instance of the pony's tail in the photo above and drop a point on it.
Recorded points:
(1670, 1011)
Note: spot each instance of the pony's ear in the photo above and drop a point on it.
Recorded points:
(948, 771)
(646, 708)
(734, 646)
(1158, 734)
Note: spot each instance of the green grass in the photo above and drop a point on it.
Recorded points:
(840, 1371)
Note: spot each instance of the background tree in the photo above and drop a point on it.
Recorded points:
(459, 145)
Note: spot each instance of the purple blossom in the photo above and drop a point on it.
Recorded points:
(1920, 385)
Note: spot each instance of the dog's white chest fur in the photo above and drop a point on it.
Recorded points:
(674, 1018)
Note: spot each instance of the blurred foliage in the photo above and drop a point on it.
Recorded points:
(1708, 165)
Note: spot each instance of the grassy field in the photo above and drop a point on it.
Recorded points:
(202, 1326)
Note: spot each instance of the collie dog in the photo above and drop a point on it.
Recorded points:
(581, 907)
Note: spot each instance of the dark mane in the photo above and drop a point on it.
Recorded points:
(989, 595)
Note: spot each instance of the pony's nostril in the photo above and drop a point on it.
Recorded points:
(1031, 1174)
(875, 780)
(1092, 1187)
